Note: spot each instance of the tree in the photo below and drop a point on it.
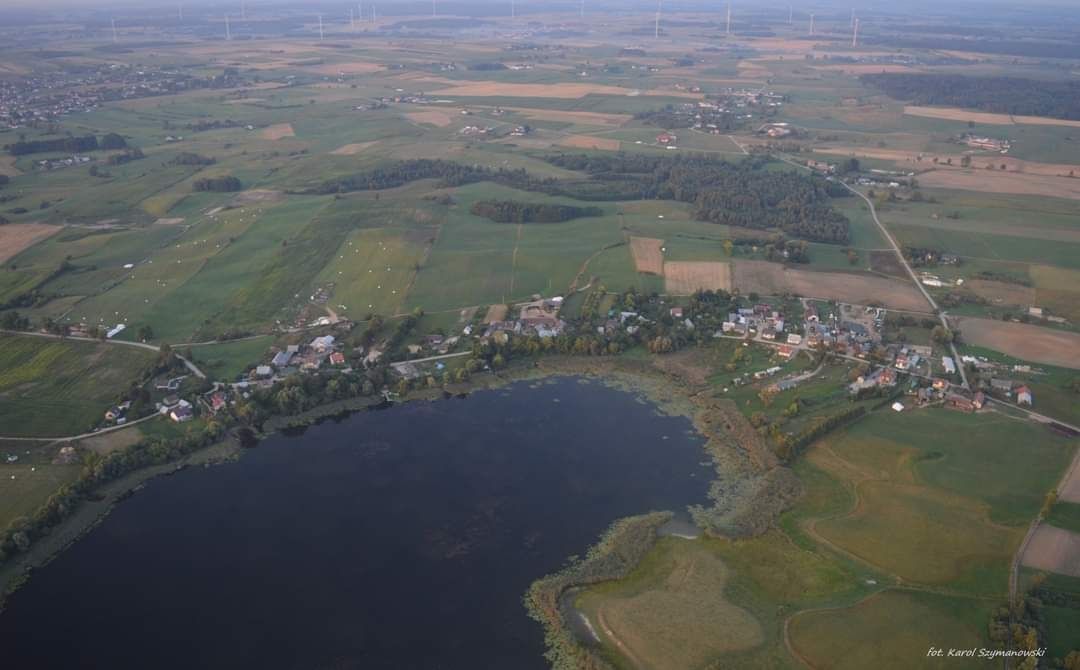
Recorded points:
(729, 247)
(113, 141)
(941, 335)
(145, 333)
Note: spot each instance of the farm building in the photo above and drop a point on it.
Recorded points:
(1023, 396)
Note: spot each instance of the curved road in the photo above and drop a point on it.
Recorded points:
(911, 273)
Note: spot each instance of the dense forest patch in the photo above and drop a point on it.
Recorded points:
(1001, 95)
(510, 211)
(745, 194)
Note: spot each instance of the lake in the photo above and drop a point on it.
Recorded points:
(402, 538)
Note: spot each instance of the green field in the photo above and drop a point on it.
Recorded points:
(51, 387)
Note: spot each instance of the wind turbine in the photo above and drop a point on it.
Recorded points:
(855, 34)
(729, 19)
(114, 30)
(811, 24)
(656, 29)
(320, 27)
(228, 33)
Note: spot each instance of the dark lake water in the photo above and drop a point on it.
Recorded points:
(402, 538)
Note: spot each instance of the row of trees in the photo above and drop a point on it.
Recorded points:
(1002, 95)
(223, 184)
(68, 144)
(510, 211)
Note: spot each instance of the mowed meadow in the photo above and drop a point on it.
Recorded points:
(903, 538)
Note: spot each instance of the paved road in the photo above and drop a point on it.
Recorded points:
(911, 273)
(434, 358)
(141, 345)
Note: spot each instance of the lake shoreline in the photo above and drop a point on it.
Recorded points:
(670, 393)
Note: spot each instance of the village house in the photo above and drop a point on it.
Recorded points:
(337, 358)
(1023, 396)
(666, 138)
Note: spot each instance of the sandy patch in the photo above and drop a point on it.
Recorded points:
(278, 131)
(15, 237)
(1055, 550)
(7, 166)
(865, 68)
(245, 101)
(352, 149)
(496, 313)
(585, 118)
(431, 117)
(1001, 293)
(957, 114)
(481, 89)
(258, 195)
(991, 181)
(1024, 341)
(169, 222)
(860, 289)
(647, 254)
(590, 142)
(685, 277)
(354, 67)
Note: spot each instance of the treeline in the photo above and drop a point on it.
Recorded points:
(746, 194)
(510, 211)
(223, 184)
(1001, 95)
(188, 158)
(448, 172)
(66, 144)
